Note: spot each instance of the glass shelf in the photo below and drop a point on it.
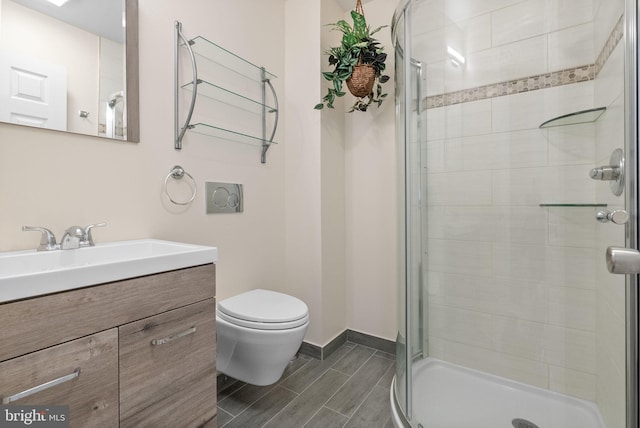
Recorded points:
(573, 205)
(226, 96)
(239, 84)
(584, 116)
(220, 55)
(226, 134)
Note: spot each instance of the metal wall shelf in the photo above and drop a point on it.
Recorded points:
(227, 62)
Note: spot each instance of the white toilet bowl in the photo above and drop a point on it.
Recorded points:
(259, 332)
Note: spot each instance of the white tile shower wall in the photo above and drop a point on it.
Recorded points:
(570, 145)
(510, 42)
(522, 58)
(460, 10)
(571, 46)
(572, 382)
(524, 20)
(513, 270)
(499, 262)
(606, 15)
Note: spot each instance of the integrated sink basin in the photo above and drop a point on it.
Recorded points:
(30, 273)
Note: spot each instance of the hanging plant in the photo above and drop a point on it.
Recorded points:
(359, 62)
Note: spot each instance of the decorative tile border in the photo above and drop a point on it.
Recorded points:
(531, 83)
(610, 45)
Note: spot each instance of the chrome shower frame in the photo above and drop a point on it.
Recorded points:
(632, 199)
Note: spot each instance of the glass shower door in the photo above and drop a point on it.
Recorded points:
(511, 145)
(409, 129)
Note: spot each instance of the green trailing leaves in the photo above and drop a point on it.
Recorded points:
(328, 76)
(357, 46)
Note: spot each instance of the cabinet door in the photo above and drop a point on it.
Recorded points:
(167, 368)
(92, 395)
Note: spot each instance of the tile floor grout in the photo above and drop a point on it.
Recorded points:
(332, 395)
(316, 372)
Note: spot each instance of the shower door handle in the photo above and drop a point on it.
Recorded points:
(623, 260)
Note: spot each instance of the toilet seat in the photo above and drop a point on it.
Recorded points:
(264, 310)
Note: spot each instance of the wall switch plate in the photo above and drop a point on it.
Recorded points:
(224, 197)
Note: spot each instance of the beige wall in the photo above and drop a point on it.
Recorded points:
(303, 163)
(371, 210)
(340, 178)
(332, 191)
(57, 179)
(340, 231)
(294, 233)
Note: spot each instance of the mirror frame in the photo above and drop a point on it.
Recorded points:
(132, 72)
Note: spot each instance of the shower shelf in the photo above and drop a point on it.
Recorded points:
(574, 205)
(253, 79)
(583, 116)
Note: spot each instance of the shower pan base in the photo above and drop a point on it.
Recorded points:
(450, 396)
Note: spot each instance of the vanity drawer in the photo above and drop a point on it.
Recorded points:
(33, 324)
(167, 368)
(96, 358)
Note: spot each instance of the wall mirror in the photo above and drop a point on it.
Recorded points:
(70, 65)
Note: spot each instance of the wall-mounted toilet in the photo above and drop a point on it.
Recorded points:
(259, 332)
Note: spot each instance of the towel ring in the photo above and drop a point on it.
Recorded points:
(178, 173)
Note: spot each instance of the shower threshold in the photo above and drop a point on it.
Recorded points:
(451, 396)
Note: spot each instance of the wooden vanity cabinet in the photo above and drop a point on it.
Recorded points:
(144, 349)
(166, 374)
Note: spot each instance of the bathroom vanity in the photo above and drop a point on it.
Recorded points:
(131, 353)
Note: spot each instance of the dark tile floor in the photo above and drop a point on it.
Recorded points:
(348, 389)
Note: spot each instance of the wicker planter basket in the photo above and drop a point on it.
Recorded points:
(361, 82)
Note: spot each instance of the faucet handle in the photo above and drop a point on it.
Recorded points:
(88, 238)
(47, 240)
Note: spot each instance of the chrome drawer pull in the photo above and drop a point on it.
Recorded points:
(156, 342)
(39, 388)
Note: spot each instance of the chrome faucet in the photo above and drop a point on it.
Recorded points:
(74, 237)
(78, 237)
(48, 239)
(88, 237)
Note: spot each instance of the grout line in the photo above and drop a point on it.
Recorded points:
(313, 416)
(278, 412)
(289, 389)
(345, 382)
(355, 411)
(282, 380)
(252, 402)
(360, 366)
(334, 394)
